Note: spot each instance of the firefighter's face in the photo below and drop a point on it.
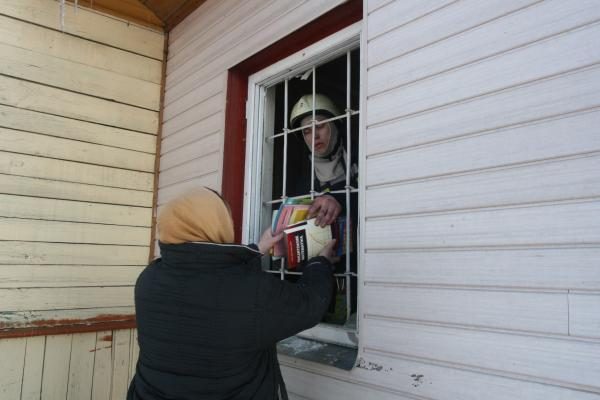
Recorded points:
(322, 133)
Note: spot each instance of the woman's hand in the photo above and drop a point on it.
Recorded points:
(267, 241)
(326, 209)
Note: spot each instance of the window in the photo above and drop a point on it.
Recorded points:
(281, 164)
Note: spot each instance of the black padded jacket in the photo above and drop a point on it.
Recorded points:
(208, 320)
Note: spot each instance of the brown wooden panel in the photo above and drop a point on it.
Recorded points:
(160, 14)
(130, 10)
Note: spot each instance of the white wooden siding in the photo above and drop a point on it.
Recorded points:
(95, 366)
(78, 124)
(482, 238)
(216, 37)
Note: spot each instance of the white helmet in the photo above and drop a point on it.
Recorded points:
(304, 107)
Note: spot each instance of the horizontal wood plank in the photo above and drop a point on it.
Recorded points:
(549, 225)
(584, 314)
(41, 276)
(499, 36)
(40, 68)
(306, 384)
(198, 21)
(541, 268)
(72, 150)
(69, 171)
(24, 186)
(72, 232)
(555, 180)
(198, 130)
(525, 311)
(562, 362)
(88, 24)
(36, 97)
(167, 193)
(490, 75)
(562, 137)
(399, 13)
(73, 211)
(374, 5)
(225, 18)
(452, 20)
(195, 114)
(56, 44)
(547, 98)
(428, 380)
(16, 252)
(33, 299)
(198, 167)
(54, 318)
(257, 20)
(198, 148)
(211, 88)
(36, 122)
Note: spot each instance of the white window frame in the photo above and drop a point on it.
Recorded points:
(325, 50)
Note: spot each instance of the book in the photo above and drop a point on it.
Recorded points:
(290, 212)
(304, 241)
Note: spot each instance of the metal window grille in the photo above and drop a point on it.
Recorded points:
(344, 277)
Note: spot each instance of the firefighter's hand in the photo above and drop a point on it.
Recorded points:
(325, 209)
(268, 240)
(329, 252)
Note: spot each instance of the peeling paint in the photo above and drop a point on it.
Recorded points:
(37, 327)
(371, 366)
(417, 379)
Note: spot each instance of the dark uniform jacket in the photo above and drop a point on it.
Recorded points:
(208, 320)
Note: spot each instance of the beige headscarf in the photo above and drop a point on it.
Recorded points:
(197, 216)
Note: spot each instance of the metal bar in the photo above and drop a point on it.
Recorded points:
(348, 176)
(339, 275)
(306, 196)
(300, 128)
(285, 139)
(313, 127)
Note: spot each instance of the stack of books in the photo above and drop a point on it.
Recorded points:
(303, 239)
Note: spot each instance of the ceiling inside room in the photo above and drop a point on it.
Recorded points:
(158, 14)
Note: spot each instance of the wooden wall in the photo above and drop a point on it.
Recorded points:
(96, 365)
(482, 231)
(78, 126)
(481, 277)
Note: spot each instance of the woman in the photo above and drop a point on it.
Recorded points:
(208, 317)
(330, 156)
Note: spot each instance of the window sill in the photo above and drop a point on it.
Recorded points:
(334, 355)
(334, 334)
